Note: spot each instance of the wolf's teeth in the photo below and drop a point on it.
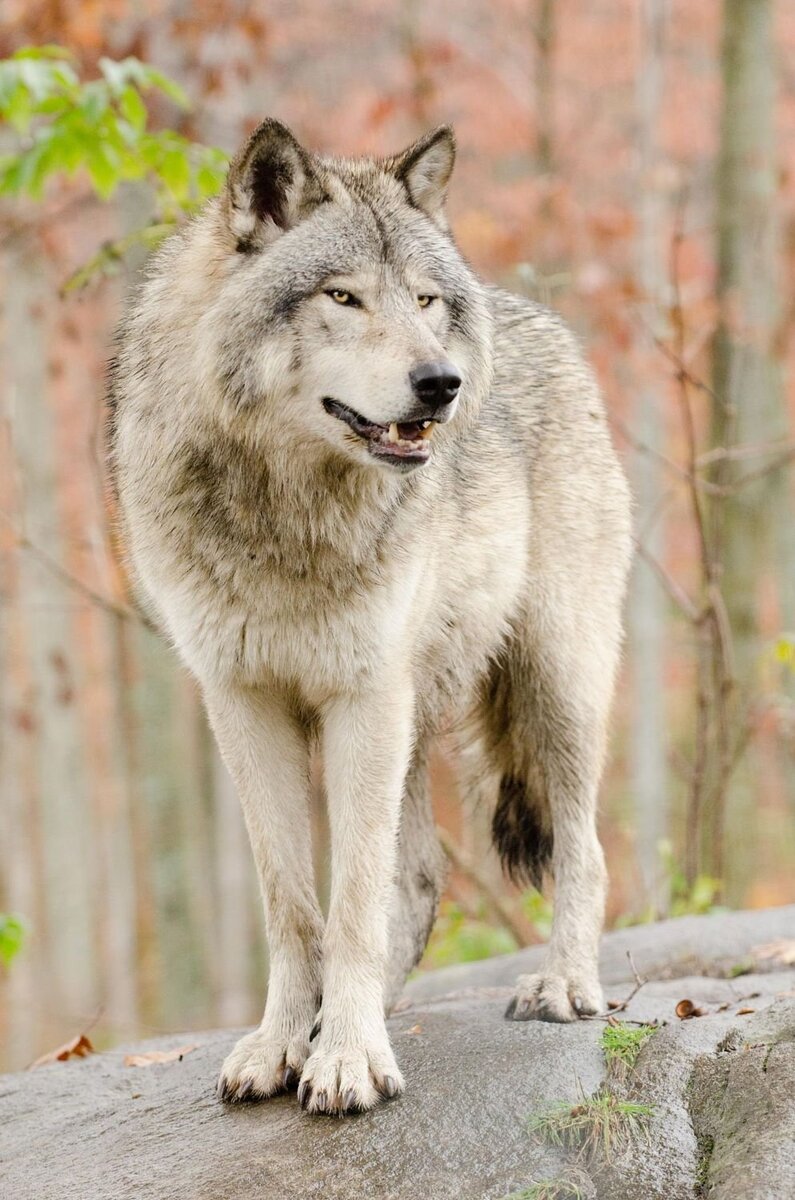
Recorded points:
(427, 429)
(394, 433)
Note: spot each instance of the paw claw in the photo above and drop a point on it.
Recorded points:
(349, 1078)
(548, 996)
(258, 1065)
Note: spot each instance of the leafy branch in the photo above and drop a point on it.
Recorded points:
(65, 126)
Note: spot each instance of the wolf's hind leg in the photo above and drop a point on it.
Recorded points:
(421, 872)
(267, 755)
(554, 702)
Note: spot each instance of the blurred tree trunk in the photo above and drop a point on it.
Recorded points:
(416, 53)
(544, 79)
(59, 817)
(647, 614)
(753, 527)
(754, 532)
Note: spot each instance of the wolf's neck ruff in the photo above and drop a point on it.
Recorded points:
(317, 524)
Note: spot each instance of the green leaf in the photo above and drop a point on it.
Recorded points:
(174, 171)
(784, 650)
(12, 936)
(94, 102)
(133, 109)
(168, 87)
(18, 108)
(49, 50)
(37, 78)
(103, 164)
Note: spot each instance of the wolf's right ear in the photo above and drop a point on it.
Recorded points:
(271, 186)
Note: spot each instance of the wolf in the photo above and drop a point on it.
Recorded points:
(369, 500)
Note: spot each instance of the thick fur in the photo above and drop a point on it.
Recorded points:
(323, 597)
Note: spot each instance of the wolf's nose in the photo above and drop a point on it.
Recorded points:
(436, 384)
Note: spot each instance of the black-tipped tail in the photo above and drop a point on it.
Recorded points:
(523, 842)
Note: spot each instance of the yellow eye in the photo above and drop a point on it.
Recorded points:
(341, 297)
(425, 301)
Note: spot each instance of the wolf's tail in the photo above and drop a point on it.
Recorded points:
(522, 831)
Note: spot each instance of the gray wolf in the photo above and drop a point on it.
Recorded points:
(369, 499)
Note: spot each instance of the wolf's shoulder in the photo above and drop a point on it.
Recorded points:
(536, 354)
(525, 325)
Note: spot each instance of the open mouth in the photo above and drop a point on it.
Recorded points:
(403, 443)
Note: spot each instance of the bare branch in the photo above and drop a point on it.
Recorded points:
(674, 590)
(497, 903)
(117, 610)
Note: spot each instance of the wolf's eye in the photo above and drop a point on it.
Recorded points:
(425, 301)
(342, 297)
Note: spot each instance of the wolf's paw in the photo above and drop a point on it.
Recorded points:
(349, 1079)
(551, 997)
(262, 1065)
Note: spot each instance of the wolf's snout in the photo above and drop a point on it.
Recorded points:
(435, 384)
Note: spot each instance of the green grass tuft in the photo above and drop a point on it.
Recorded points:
(621, 1045)
(561, 1188)
(597, 1127)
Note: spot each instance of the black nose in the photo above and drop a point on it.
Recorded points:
(436, 384)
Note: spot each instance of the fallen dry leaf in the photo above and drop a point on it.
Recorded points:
(157, 1056)
(781, 951)
(743, 1012)
(614, 1004)
(686, 1009)
(78, 1047)
(415, 1029)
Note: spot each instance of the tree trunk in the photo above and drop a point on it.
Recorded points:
(749, 406)
(647, 613)
(59, 816)
(753, 536)
(545, 124)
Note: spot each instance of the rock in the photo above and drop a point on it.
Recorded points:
(721, 1087)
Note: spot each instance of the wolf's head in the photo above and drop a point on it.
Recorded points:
(345, 314)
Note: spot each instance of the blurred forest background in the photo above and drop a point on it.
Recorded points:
(629, 162)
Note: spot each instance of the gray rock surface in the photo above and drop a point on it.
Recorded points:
(722, 1087)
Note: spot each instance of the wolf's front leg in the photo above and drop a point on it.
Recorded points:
(267, 755)
(366, 749)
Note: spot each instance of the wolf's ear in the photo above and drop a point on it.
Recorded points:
(425, 169)
(271, 186)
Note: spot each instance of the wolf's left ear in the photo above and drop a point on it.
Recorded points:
(271, 186)
(425, 169)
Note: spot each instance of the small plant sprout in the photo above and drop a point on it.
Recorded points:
(621, 1045)
(562, 1187)
(597, 1127)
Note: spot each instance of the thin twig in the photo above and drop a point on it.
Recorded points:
(77, 585)
(734, 453)
(625, 1003)
(674, 590)
(462, 862)
(639, 983)
(675, 468)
